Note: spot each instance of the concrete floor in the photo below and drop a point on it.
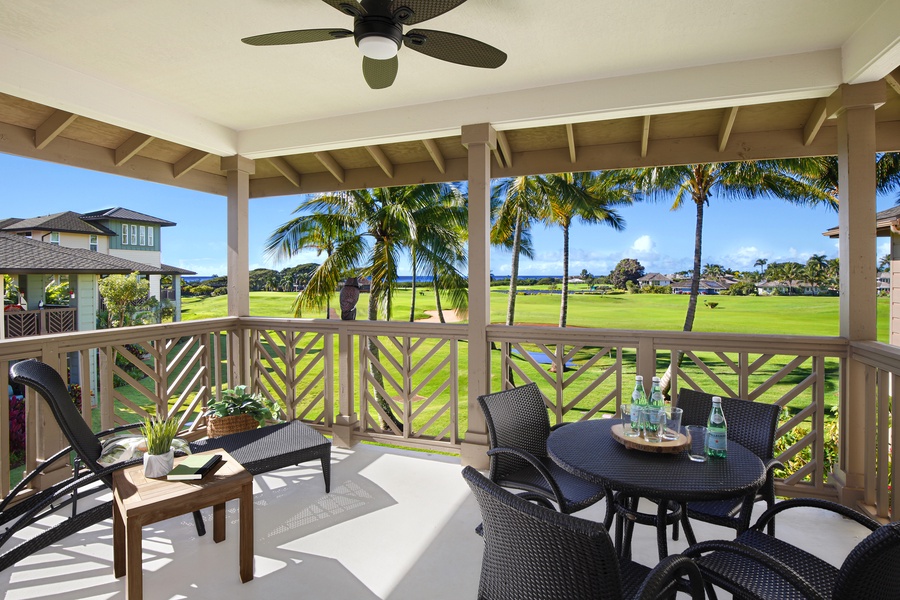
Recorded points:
(397, 525)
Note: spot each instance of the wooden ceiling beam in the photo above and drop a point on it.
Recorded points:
(332, 165)
(814, 121)
(282, 166)
(726, 127)
(188, 162)
(645, 136)
(381, 158)
(130, 147)
(570, 137)
(436, 155)
(54, 125)
(893, 80)
(503, 143)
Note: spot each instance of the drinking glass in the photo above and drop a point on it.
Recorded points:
(673, 423)
(631, 420)
(654, 423)
(697, 433)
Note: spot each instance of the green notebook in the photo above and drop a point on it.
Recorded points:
(194, 467)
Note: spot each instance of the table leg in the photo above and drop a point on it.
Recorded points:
(246, 533)
(686, 525)
(631, 505)
(661, 542)
(118, 542)
(134, 580)
(219, 523)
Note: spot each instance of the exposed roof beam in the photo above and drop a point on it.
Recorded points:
(282, 166)
(503, 142)
(645, 136)
(570, 136)
(727, 125)
(893, 80)
(332, 165)
(814, 122)
(498, 154)
(381, 158)
(54, 125)
(436, 155)
(131, 146)
(188, 162)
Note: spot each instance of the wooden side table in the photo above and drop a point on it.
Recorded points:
(141, 501)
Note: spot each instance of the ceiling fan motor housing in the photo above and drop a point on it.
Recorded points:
(382, 27)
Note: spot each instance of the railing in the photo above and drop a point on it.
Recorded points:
(21, 323)
(406, 383)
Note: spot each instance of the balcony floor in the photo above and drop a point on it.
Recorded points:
(397, 525)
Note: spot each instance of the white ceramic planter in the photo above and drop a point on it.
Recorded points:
(158, 465)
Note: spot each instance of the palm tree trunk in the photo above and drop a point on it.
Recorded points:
(376, 374)
(514, 271)
(564, 302)
(412, 307)
(437, 298)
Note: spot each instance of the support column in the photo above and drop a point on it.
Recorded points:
(480, 140)
(854, 108)
(176, 287)
(238, 171)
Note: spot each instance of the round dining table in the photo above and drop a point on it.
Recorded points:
(589, 450)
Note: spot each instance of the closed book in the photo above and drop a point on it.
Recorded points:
(193, 467)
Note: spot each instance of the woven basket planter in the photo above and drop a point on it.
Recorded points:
(219, 426)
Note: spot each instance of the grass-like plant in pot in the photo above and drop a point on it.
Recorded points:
(159, 457)
(238, 410)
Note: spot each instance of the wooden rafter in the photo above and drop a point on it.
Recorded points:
(54, 125)
(332, 165)
(814, 122)
(506, 151)
(570, 137)
(436, 155)
(188, 162)
(381, 158)
(893, 80)
(726, 127)
(645, 136)
(282, 166)
(130, 147)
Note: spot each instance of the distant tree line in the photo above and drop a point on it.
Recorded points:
(289, 279)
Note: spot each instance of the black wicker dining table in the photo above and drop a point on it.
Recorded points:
(589, 450)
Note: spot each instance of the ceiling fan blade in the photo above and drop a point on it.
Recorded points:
(300, 36)
(379, 74)
(454, 48)
(420, 10)
(352, 5)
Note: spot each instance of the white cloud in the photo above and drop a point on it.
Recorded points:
(884, 247)
(643, 245)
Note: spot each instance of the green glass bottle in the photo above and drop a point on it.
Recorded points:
(717, 431)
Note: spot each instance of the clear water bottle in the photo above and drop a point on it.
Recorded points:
(717, 431)
(655, 403)
(638, 400)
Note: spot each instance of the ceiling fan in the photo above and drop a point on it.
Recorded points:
(378, 32)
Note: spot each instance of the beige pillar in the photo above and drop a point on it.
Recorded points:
(480, 140)
(347, 419)
(176, 287)
(854, 108)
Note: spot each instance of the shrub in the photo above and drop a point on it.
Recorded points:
(656, 289)
(222, 291)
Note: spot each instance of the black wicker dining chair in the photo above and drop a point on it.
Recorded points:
(518, 427)
(534, 553)
(751, 424)
(757, 566)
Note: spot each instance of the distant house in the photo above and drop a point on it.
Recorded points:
(651, 279)
(767, 288)
(707, 287)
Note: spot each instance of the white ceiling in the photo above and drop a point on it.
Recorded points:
(177, 70)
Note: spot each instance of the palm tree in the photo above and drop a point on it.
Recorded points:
(589, 197)
(792, 272)
(815, 271)
(884, 263)
(761, 263)
(523, 199)
(698, 183)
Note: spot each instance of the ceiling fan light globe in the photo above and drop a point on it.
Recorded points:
(378, 47)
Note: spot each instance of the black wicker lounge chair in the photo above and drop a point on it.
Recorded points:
(532, 553)
(759, 566)
(518, 427)
(751, 424)
(259, 451)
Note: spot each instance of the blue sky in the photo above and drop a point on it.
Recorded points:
(736, 233)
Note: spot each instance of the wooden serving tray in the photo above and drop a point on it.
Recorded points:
(639, 443)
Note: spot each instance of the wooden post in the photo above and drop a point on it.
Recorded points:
(238, 170)
(480, 140)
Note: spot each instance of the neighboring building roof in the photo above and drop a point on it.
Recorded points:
(170, 270)
(124, 214)
(655, 277)
(883, 221)
(705, 284)
(20, 255)
(68, 221)
(8, 222)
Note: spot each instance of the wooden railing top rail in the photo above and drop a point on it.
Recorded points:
(877, 354)
(362, 327)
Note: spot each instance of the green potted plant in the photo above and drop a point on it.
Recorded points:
(238, 410)
(159, 434)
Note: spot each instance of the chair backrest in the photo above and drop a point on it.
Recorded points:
(872, 569)
(516, 418)
(751, 424)
(533, 553)
(47, 382)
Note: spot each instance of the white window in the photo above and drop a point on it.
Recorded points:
(143, 235)
(150, 236)
(134, 238)
(124, 235)
(94, 243)
(54, 238)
